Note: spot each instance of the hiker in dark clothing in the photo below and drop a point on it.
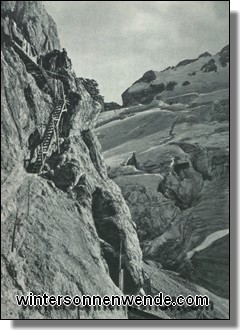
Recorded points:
(64, 58)
(33, 141)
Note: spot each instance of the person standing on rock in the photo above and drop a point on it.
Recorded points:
(33, 141)
(64, 59)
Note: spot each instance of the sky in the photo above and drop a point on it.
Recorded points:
(116, 42)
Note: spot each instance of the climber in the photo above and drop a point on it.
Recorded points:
(33, 141)
(64, 59)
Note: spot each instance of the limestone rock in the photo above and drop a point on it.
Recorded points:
(61, 215)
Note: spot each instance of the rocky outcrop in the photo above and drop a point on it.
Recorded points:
(205, 54)
(224, 56)
(209, 66)
(57, 228)
(38, 27)
(144, 96)
(186, 62)
(108, 106)
(147, 77)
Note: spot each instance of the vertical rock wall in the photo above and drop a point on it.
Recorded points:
(61, 232)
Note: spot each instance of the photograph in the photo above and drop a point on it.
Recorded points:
(115, 161)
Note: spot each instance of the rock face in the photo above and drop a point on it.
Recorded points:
(171, 82)
(38, 27)
(171, 161)
(69, 221)
(209, 66)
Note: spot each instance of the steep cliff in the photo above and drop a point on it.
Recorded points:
(61, 230)
(37, 26)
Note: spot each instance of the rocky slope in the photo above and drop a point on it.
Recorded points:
(61, 231)
(204, 74)
(170, 158)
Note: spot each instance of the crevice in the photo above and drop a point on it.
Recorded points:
(172, 195)
(104, 211)
(178, 167)
(194, 151)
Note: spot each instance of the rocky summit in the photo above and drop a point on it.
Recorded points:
(130, 200)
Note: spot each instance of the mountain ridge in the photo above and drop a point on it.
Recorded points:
(187, 76)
